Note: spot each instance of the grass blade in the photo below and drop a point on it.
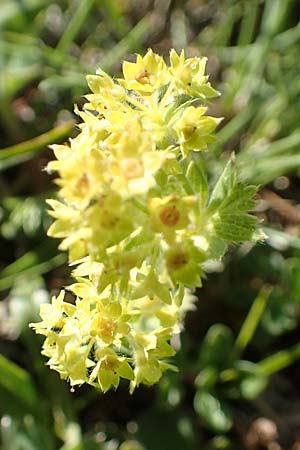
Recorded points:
(252, 320)
(280, 360)
(37, 143)
(17, 382)
(75, 24)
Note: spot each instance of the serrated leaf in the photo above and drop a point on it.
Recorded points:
(240, 198)
(224, 185)
(229, 204)
(236, 227)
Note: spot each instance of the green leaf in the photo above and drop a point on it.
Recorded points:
(231, 195)
(280, 360)
(216, 347)
(224, 185)
(235, 227)
(291, 277)
(215, 413)
(252, 320)
(207, 378)
(198, 182)
(252, 379)
(282, 313)
(229, 203)
(240, 197)
(79, 17)
(17, 382)
(32, 264)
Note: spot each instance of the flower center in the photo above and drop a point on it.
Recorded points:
(169, 216)
(143, 77)
(177, 260)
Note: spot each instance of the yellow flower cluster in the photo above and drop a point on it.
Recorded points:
(135, 216)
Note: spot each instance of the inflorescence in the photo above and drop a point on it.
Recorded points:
(138, 221)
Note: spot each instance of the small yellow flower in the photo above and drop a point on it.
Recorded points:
(189, 76)
(146, 74)
(195, 130)
(183, 262)
(103, 83)
(149, 351)
(54, 315)
(109, 324)
(109, 368)
(169, 214)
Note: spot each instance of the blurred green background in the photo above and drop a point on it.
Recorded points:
(238, 385)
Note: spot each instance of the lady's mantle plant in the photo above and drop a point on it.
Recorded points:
(137, 219)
